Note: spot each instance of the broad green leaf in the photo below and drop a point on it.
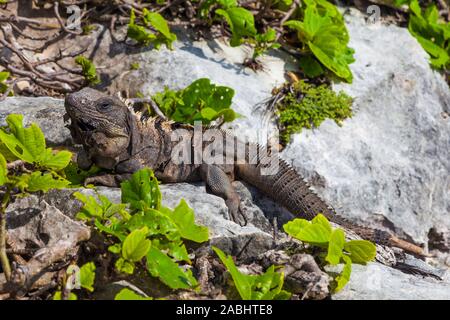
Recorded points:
(201, 100)
(114, 229)
(241, 22)
(87, 276)
(157, 222)
(141, 191)
(344, 277)
(361, 251)
(310, 67)
(77, 176)
(269, 285)
(160, 265)
(135, 246)
(293, 227)
(184, 217)
(3, 170)
(127, 294)
(124, 266)
(88, 70)
(432, 34)
(160, 24)
(324, 32)
(58, 296)
(242, 282)
(4, 75)
(26, 144)
(335, 247)
(322, 220)
(317, 233)
(54, 161)
(178, 251)
(115, 248)
(91, 208)
(39, 181)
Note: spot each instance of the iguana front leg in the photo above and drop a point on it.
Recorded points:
(107, 179)
(124, 171)
(218, 183)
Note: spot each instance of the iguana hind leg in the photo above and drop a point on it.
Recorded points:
(219, 184)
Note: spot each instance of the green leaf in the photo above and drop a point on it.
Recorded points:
(77, 176)
(28, 144)
(87, 276)
(115, 248)
(160, 24)
(344, 277)
(241, 22)
(40, 181)
(3, 170)
(88, 69)
(157, 222)
(323, 221)
(201, 100)
(361, 251)
(293, 227)
(57, 161)
(125, 266)
(335, 247)
(141, 191)
(127, 294)
(310, 67)
(135, 246)
(184, 217)
(432, 34)
(317, 232)
(4, 75)
(242, 282)
(267, 286)
(324, 32)
(160, 265)
(58, 296)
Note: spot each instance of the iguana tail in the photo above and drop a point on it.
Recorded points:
(286, 186)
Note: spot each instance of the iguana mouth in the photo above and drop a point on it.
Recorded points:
(84, 126)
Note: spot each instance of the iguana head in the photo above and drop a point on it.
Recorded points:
(102, 124)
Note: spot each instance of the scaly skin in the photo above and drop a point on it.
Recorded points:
(114, 137)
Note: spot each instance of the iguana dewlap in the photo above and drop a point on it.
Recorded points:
(115, 137)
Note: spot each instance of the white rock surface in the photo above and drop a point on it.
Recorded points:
(393, 156)
(378, 282)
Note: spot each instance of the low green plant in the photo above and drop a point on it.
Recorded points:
(431, 33)
(318, 232)
(200, 101)
(4, 75)
(88, 70)
(84, 277)
(26, 165)
(142, 35)
(324, 38)
(267, 286)
(307, 106)
(143, 232)
(127, 294)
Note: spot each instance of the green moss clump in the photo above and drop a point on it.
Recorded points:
(307, 106)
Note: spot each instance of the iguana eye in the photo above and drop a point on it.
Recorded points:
(104, 106)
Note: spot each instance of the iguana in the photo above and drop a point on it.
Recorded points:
(117, 138)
